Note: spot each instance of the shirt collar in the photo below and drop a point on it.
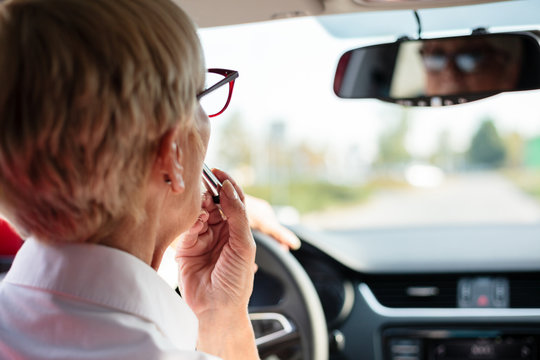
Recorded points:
(107, 277)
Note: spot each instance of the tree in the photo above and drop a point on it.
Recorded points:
(487, 147)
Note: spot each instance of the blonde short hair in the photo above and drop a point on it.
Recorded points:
(87, 90)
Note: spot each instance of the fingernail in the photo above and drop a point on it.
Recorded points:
(229, 190)
(294, 242)
(223, 216)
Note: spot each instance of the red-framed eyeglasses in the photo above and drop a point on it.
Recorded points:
(216, 97)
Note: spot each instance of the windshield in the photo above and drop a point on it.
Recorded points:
(332, 163)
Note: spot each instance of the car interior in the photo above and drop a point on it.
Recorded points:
(400, 141)
(428, 272)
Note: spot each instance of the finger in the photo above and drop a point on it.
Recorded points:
(207, 202)
(215, 217)
(231, 202)
(188, 239)
(284, 236)
(239, 232)
(204, 228)
(213, 209)
(200, 247)
(222, 176)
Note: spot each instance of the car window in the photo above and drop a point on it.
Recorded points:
(333, 163)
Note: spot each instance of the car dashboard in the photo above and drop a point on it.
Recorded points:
(463, 292)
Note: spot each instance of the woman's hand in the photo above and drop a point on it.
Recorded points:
(216, 257)
(262, 217)
(216, 266)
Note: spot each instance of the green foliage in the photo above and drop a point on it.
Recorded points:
(312, 196)
(531, 156)
(487, 147)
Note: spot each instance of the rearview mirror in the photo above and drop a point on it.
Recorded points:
(443, 71)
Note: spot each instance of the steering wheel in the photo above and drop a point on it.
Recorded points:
(291, 324)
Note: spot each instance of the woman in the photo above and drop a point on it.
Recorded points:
(102, 141)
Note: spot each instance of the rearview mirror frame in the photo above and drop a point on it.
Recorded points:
(370, 72)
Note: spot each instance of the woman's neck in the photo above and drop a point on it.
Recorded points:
(145, 239)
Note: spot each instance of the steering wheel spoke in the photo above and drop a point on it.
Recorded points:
(274, 332)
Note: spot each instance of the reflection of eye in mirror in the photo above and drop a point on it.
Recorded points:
(468, 63)
(464, 62)
(458, 69)
(435, 62)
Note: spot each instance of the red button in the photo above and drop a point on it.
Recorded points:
(482, 300)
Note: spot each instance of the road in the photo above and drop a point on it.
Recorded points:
(470, 198)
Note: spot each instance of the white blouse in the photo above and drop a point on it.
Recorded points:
(87, 301)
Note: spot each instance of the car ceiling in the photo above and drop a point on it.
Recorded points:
(210, 13)
(461, 20)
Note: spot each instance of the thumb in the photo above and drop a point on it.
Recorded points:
(235, 211)
(232, 205)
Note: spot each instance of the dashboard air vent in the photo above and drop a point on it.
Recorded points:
(524, 290)
(415, 291)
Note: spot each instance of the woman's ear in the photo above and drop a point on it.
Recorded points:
(169, 162)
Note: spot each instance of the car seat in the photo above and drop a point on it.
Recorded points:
(10, 243)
